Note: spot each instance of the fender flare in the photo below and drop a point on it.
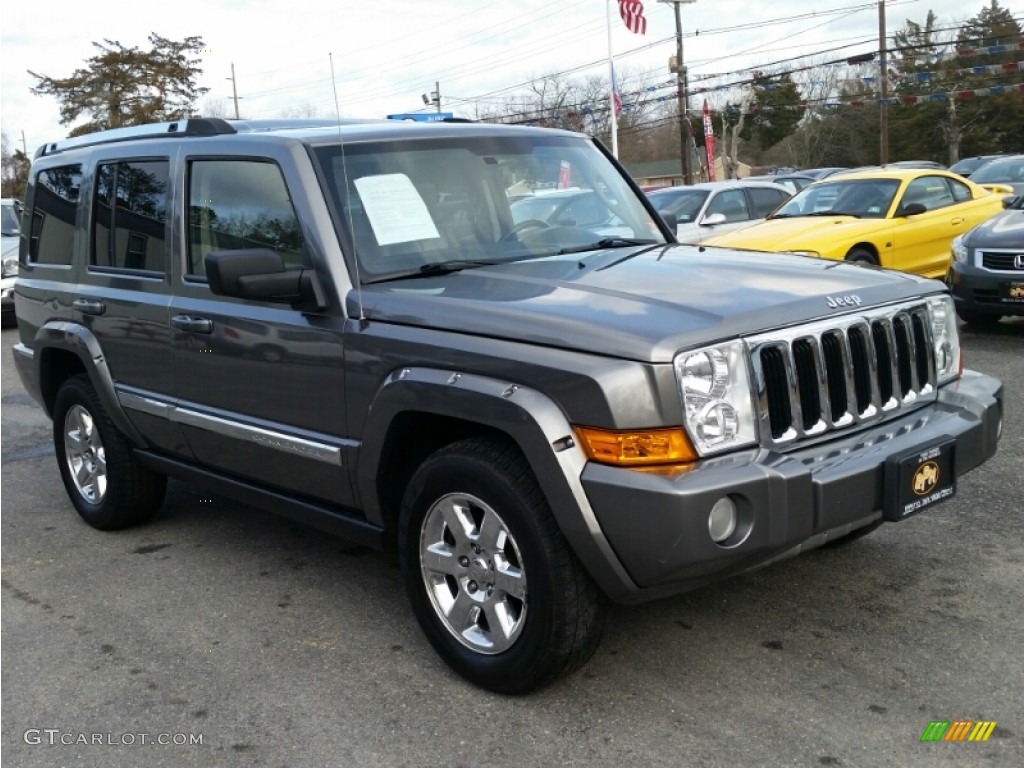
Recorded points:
(80, 341)
(531, 419)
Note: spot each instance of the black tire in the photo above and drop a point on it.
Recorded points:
(553, 628)
(981, 319)
(104, 481)
(861, 256)
(853, 536)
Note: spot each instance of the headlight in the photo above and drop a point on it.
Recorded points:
(960, 250)
(946, 337)
(10, 266)
(714, 386)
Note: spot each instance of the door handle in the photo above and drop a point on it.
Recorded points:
(956, 222)
(89, 306)
(191, 324)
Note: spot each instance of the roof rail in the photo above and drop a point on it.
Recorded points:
(193, 126)
(284, 123)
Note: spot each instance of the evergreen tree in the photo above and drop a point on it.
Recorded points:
(121, 86)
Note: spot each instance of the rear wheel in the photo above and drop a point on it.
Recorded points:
(492, 581)
(106, 484)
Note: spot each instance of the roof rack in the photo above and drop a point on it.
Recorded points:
(193, 126)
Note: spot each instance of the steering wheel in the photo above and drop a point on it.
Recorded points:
(523, 225)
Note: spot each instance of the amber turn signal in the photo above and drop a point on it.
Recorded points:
(636, 448)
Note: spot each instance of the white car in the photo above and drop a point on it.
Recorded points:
(11, 237)
(703, 210)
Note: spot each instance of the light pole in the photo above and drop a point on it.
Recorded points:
(682, 90)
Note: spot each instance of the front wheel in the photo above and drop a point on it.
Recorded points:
(492, 581)
(861, 256)
(104, 480)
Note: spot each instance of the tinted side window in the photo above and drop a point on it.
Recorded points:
(130, 214)
(961, 192)
(732, 203)
(52, 236)
(930, 191)
(236, 204)
(764, 201)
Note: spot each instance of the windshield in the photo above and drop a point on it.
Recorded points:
(1000, 171)
(478, 200)
(685, 204)
(863, 198)
(10, 219)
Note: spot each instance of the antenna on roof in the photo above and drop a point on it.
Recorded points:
(342, 197)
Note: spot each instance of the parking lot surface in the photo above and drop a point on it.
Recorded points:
(274, 645)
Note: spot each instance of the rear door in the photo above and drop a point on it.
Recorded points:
(124, 290)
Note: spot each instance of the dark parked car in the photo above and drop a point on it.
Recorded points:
(1008, 171)
(986, 274)
(344, 324)
(821, 173)
(969, 165)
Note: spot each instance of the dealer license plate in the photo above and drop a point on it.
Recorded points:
(918, 479)
(1013, 293)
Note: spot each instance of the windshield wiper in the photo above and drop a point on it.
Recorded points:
(608, 242)
(435, 268)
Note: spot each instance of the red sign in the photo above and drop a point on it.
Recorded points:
(709, 141)
(564, 175)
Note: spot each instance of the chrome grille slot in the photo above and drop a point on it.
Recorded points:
(834, 374)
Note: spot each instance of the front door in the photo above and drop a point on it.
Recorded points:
(260, 385)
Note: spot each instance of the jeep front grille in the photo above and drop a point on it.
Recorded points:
(835, 374)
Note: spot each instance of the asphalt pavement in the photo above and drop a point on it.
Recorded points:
(219, 635)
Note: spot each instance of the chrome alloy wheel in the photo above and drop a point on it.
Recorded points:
(84, 454)
(473, 572)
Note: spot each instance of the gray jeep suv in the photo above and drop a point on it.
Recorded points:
(342, 323)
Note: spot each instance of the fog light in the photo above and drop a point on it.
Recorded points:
(722, 520)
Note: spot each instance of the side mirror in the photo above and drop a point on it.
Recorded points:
(1009, 200)
(912, 210)
(712, 218)
(260, 274)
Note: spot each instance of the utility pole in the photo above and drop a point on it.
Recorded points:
(234, 89)
(435, 96)
(682, 91)
(24, 146)
(883, 74)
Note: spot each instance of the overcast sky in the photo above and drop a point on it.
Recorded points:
(386, 53)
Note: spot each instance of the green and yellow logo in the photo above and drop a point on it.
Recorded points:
(958, 730)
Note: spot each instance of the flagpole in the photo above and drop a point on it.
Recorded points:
(611, 83)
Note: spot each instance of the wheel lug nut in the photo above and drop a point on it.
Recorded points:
(472, 587)
(464, 561)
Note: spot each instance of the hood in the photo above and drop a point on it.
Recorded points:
(801, 233)
(636, 303)
(1004, 230)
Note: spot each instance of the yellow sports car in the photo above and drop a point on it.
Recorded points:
(899, 218)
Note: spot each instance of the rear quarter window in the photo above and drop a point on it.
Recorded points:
(55, 202)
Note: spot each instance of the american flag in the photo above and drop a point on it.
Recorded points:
(632, 12)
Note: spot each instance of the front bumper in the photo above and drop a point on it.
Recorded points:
(983, 291)
(788, 502)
